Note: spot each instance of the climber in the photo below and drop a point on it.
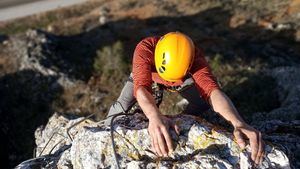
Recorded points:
(172, 62)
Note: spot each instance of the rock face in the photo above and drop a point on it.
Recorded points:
(288, 79)
(52, 71)
(48, 54)
(282, 124)
(44, 74)
(199, 145)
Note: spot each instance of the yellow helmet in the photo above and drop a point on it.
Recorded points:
(174, 54)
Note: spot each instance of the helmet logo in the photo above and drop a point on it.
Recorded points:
(164, 60)
(162, 69)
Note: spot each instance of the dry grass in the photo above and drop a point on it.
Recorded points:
(110, 66)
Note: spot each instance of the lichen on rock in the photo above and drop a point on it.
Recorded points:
(199, 145)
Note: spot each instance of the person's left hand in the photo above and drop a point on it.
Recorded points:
(257, 145)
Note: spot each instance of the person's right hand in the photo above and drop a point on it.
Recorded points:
(242, 131)
(158, 129)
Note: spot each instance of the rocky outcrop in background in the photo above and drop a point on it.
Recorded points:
(40, 73)
(76, 60)
(281, 125)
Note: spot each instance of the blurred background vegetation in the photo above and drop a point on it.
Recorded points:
(242, 39)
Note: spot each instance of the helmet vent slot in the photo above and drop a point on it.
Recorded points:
(164, 62)
(162, 69)
(164, 55)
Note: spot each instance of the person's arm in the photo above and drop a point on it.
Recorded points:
(223, 105)
(158, 124)
(210, 91)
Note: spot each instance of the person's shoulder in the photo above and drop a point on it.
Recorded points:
(151, 40)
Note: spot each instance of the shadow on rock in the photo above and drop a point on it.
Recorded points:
(3, 38)
(210, 30)
(25, 104)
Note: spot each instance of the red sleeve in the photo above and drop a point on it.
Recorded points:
(205, 81)
(143, 59)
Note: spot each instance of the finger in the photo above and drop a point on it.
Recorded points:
(168, 139)
(262, 158)
(253, 138)
(152, 146)
(156, 146)
(239, 138)
(162, 144)
(263, 150)
(260, 149)
(176, 129)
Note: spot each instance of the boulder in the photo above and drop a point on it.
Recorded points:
(199, 145)
(282, 124)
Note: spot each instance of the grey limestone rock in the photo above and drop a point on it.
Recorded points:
(199, 145)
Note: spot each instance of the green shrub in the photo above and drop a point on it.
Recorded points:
(111, 66)
(110, 63)
(216, 62)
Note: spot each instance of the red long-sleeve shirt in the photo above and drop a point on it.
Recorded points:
(144, 71)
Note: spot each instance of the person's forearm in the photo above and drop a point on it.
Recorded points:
(147, 103)
(223, 105)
